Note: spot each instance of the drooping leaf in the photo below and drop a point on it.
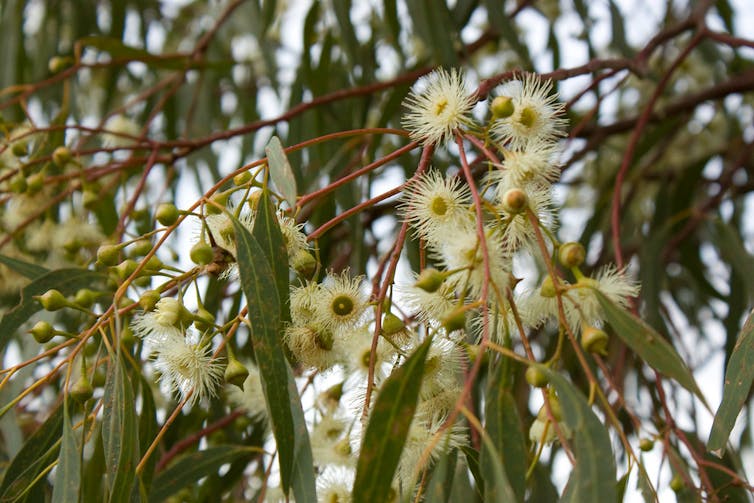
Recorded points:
(593, 476)
(37, 453)
(648, 344)
(68, 281)
(68, 476)
(267, 233)
(281, 171)
(738, 379)
(26, 269)
(497, 488)
(388, 427)
(192, 467)
(440, 485)
(120, 432)
(733, 251)
(258, 282)
(117, 49)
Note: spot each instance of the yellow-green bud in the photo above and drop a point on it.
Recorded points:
(536, 378)
(502, 107)
(125, 269)
(52, 300)
(391, 324)
(219, 200)
(108, 254)
(514, 201)
(454, 320)
(571, 254)
(149, 299)
(90, 198)
(140, 248)
(547, 290)
(18, 183)
(99, 378)
(646, 444)
(82, 390)
(35, 183)
(167, 214)
(57, 63)
(242, 178)
(304, 264)
(204, 320)
(61, 156)
(20, 147)
(85, 297)
(594, 340)
(153, 264)
(253, 200)
(42, 332)
(236, 373)
(202, 253)
(677, 484)
(430, 280)
(555, 408)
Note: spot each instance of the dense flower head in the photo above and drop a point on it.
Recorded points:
(442, 106)
(536, 114)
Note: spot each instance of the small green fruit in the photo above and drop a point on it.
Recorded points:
(82, 390)
(108, 254)
(85, 297)
(42, 332)
(236, 373)
(571, 254)
(167, 214)
(52, 300)
(646, 444)
(140, 248)
(536, 378)
(677, 484)
(202, 253)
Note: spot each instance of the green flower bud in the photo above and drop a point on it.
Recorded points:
(202, 253)
(236, 373)
(204, 320)
(571, 254)
(242, 179)
(108, 254)
(61, 156)
(35, 183)
(153, 264)
(454, 320)
(82, 390)
(547, 290)
(555, 408)
(140, 248)
(677, 484)
(42, 332)
(515, 201)
(18, 183)
(91, 198)
(52, 300)
(125, 269)
(646, 444)
(502, 107)
(594, 340)
(99, 378)
(304, 264)
(20, 147)
(167, 214)
(220, 201)
(85, 297)
(391, 324)
(149, 299)
(430, 280)
(58, 63)
(535, 377)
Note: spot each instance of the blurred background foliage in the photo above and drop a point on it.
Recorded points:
(660, 91)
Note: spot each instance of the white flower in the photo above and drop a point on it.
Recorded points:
(303, 301)
(435, 206)
(536, 164)
(429, 307)
(330, 442)
(186, 366)
(518, 230)
(358, 349)
(435, 112)
(335, 484)
(536, 114)
(441, 367)
(293, 236)
(342, 301)
(162, 323)
(420, 436)
(314, 346)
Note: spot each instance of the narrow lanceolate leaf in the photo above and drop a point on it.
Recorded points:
(280, 170)
(192, 467)
(26, 269)
(39, 451)
(593, 476)
(68, 281)
(267, 233)
(497, 488)
(283, 402)
(440, 485)
(648, 344)
(506, 437)
(738, 379)
(120, 435)
(388, 426)
(68, 476)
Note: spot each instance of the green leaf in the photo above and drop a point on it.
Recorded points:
(26, 269)
(68, 281)
(120, 435)
(388, 426)
(496, 485)
(190, 468)
(267, 233)
(648, 344)
(147, 428)
(433, 24)
(472, 461)
(738, 378)
(440, 485)
(68, 476)
(118, 50)
(280, 170)
(39, 451)
(258, 282)
(593, 476)
(733, 251)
